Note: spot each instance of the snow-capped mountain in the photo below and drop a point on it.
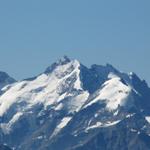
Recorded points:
(72, 107)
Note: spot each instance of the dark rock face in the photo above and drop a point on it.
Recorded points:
(72, 107)
(3, 147)
(5, 79)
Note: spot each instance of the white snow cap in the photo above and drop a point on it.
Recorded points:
(46, 88)
(113, 92)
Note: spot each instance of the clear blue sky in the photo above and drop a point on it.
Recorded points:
(34, 33)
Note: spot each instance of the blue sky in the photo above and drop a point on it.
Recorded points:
(35, 33)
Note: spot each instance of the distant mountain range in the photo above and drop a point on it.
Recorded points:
(72, 107)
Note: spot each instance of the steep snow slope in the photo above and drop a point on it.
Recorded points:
(59, 88)
(113, 92)
(48, 89)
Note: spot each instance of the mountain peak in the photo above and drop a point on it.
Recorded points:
(5, 79)
(62, 61)
(65, 59)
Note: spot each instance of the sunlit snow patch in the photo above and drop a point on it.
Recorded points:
(6, 127)
(114, 93)
(61, 125)
(100, 125)
(148, 119)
